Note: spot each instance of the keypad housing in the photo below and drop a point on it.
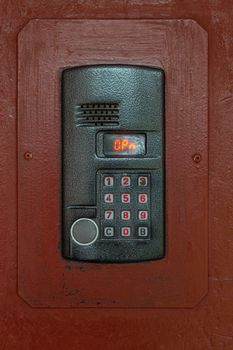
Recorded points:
(125, 204)
(84, 161)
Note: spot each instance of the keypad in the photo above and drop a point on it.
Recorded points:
(125, 205)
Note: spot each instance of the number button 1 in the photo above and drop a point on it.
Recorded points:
(108, 181)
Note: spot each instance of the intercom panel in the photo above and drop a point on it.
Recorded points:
(69, 283)
(113, 163)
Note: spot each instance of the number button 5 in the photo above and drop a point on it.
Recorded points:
(125, 197)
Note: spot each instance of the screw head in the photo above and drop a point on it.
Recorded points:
(27, 155)
(197, 158)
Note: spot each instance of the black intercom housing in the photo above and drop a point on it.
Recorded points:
(113, 172)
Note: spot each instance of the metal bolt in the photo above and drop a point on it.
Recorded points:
(197, 158)
(27, 155)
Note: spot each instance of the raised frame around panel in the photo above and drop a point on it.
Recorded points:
(46, 47)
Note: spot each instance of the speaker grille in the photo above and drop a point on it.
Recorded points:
(97, 114)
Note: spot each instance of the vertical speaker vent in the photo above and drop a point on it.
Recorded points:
(97, 114)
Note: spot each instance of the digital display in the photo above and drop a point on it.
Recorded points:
(124, 145)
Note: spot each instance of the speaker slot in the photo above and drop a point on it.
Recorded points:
(97, 114)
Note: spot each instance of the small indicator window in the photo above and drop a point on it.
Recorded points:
(124, 145)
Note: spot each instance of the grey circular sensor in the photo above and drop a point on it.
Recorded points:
(84, 231)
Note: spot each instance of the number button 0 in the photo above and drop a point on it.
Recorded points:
(142, 180)
(109, 214)
(125, 197)
(108, 198)
(125, 231)
(108, 181)
(142, 198)
(125, 215)
(125, 181)
(143, 215)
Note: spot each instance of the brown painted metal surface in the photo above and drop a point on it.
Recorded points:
(208, 325)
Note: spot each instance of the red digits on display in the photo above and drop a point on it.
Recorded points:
(124, 144)
(117, 145)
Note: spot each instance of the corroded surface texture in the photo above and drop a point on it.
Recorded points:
(207, 326)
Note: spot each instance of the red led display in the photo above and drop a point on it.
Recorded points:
(127, 145)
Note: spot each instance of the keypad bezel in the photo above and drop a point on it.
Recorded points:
(134, 206)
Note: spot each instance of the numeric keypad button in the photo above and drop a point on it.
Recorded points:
(142, 198)
(108, 198)
(125, 215)
(143, 231)
(125, 231)
(125, 181)
(125, 197)
(143, 215)
(108, 181)
(109, 214)
(109, 231)
(143, 181)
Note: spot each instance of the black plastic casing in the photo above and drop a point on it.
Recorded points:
(137, 92)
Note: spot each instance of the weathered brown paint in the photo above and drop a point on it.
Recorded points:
(209, 325)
